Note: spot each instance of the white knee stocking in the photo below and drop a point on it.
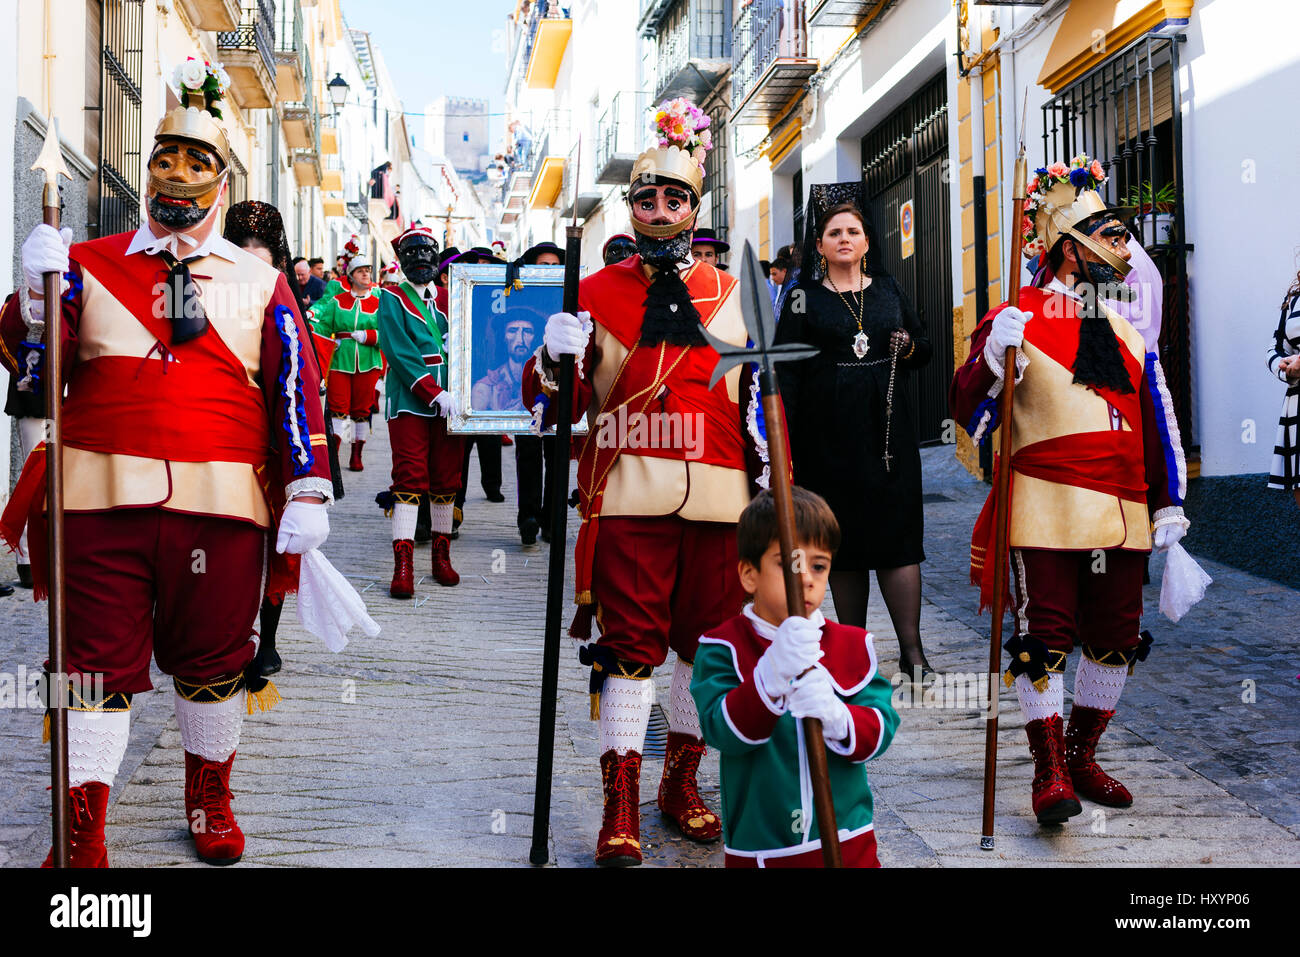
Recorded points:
(1098, 686)
(96, 745)
(624, 714)
(440, 517)
(1035, 704)
(342, 428)
(211, 729)
(404, 518)
(682, 716)
(360, 431)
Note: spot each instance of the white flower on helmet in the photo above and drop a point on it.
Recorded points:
(192, 74)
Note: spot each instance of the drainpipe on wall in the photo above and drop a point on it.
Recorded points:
(980, 194)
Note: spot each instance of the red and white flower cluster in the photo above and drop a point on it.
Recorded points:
(200, 76)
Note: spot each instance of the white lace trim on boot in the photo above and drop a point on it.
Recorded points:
(1098, 686)
(682, 716)
(404, 519)
(624, 714)
(1035, 704)
(211, 730)
(96, 745)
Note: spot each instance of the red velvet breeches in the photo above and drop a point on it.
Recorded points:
(425, 457)
(1066, 598)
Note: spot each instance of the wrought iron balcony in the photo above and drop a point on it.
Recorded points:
(573, 199)
(771, 60)
(248, 52)
(844, 13)
(545, 37)
(620, 137)
(694, 41)
(300, 119)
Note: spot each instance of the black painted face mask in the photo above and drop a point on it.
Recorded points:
(419, 259)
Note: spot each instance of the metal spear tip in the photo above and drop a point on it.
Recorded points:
(50, 161)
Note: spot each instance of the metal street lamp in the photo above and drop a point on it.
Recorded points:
(338, 90)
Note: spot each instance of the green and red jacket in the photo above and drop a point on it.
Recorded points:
(412, 337)
(766, 788)
(338, 317)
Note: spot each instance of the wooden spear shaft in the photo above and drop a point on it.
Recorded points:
(783, 499)
(1002, 511)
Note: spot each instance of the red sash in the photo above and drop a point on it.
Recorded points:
(614, 296)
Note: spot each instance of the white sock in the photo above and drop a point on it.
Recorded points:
(211, 730)
(1098, 686)
(440, 518)
(1035, 704)
(96, 745)
(682, 716)
(624, 714)
(360, 431)
(342, 429)
(404, 517)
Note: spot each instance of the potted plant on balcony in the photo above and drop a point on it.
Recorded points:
(1155, 208)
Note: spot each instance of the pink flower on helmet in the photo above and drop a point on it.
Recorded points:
(1058, 170)
(1097, 172)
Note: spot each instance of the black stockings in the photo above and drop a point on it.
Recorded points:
(901, 588)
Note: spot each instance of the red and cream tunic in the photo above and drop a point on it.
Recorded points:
(1088, 465)
(226, 425)
(638, 459)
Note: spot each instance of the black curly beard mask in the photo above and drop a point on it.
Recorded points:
(176, 218)
(419, 261)
(670, 316)
(1098, 363)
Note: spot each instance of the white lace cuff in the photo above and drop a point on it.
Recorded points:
(310, 484)
(995, 363)
(549, 385)
(1173, 515)
(33, 313)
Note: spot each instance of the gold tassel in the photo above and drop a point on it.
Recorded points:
(1008, 678)
(45, 729)
(266, 699)
(1041, 684)
(595, 706)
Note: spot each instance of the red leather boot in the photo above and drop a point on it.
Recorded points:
(679, 798)
(354, 464)
(619, 843)
(212, 824)
(443, 573)
(87, 808)
(1087, 726)
(403, 585)
(1053, 795)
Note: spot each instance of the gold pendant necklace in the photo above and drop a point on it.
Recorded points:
(861, 342)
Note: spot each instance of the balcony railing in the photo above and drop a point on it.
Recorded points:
(292, 64)
(694, 40)
(844, 13)
(771, 62)
(246, 47)
(621, 135)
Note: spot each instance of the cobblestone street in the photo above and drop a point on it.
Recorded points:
(417, 747)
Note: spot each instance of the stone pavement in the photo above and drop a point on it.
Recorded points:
(417, 747)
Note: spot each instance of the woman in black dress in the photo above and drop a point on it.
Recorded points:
(852, 438)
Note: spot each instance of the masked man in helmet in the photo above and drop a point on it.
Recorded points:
(663, 475)
(193, 447)
(426, 460)
(1090, 496)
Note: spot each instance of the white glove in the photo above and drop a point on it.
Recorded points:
(795, 649)
(567, 334)
(359, 335)
(814, 697)
(1167, 536)
(45, 250)
(1008, 330)
(447, 405)
(303, 526)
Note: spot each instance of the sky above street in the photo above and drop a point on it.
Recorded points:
(439, 47)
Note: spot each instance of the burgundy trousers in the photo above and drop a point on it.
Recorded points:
(661, 582)
(425, 457)
(1065, 598)
(145, 581)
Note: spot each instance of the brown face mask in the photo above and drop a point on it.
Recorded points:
(185, 181)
